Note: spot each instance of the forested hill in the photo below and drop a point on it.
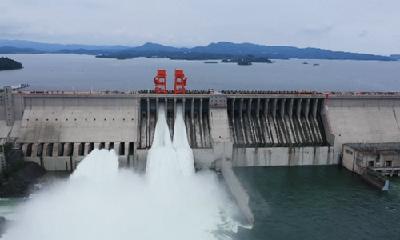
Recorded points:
(223, 50)
(218, 50)
(9, 64)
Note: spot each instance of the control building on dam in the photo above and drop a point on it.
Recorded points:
(58, 129)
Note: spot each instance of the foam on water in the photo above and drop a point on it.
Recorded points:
(99, 201)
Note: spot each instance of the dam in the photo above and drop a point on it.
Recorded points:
(246, 128)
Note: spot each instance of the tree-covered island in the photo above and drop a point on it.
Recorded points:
(9, 64)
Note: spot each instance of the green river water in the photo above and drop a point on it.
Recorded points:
(318, 203)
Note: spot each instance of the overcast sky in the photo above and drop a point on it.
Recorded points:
(371, 26)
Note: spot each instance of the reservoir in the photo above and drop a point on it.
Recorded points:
(84, 72)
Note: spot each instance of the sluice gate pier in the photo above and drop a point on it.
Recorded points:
(58, 129)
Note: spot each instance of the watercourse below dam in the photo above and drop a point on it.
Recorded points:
(224, 130)
(170, 201)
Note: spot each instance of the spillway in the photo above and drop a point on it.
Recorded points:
(281, 122)
(100, 201)
(194, 112)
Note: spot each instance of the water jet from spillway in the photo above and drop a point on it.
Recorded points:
(100, 201)
(167, 159)
(181, 145)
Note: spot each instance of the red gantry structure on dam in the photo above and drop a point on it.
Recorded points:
(160, 82)
(180, 82)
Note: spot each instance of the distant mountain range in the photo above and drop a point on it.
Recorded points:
(395, 56)
(219, 50)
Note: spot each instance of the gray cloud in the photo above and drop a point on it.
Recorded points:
(363, 33)
(318, 30)
(357, 25)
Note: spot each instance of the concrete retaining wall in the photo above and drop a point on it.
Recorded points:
(363, 120)
(237, 190)
(282, 156)
(66, 119)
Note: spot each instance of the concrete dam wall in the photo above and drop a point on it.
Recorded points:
(58, 129)
(363, 119)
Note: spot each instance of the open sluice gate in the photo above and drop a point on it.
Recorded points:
(196, 116)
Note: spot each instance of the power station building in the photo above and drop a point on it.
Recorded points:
(379, 157)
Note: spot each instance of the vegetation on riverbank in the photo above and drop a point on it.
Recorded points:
(18, 176)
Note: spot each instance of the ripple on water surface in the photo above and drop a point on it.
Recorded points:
(318, 203)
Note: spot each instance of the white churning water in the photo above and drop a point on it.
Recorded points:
(168, 160)
(100, 201)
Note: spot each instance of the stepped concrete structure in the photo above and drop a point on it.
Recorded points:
(58, 129)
